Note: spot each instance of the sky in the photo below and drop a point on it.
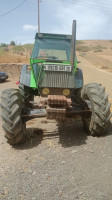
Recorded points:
(94, 19)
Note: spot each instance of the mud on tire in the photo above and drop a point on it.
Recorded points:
(98, 122)
(11, 109)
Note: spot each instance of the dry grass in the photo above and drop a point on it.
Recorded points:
(14, 58)
(98, 48)
(81, 48)
(16, 54)
(100, 54)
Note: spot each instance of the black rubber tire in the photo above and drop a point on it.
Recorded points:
(98, 122)
(26, 96)
(11, 109)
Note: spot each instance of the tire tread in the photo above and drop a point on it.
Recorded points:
(11, 109)
(100, 118)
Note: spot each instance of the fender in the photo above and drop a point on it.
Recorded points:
(78, 78)
(25, 76)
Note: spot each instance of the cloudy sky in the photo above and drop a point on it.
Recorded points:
(94, 19)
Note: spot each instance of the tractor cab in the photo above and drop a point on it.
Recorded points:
(52, 47)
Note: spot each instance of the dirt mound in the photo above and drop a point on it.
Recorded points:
(13, 69)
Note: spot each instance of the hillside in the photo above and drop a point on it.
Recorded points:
(16, 54)
(96, 52)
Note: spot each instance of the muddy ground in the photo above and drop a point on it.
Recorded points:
(60, 162)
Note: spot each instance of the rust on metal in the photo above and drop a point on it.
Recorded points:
(58, 100)
(43, 101)
(56, 113)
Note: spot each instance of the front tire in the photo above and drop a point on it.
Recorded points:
(98, 122)
(11, 110)
(26, 95)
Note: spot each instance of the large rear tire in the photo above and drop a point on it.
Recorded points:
(11, 110)
(98, 122)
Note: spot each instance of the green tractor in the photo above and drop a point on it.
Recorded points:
(53, 75)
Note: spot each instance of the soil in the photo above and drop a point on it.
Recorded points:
(59, 161)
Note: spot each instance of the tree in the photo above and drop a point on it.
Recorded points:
(12, 43)
(3, 45)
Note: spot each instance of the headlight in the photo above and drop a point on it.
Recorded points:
(66, 92)
(45, 91)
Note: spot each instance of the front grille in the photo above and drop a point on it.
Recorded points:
(58, 79)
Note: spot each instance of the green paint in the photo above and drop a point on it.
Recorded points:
(36, 77)
(53, 63)
(32, 81)
(34, 61)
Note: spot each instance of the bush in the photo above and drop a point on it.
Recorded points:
(18, 49)
(12, 43)
(28, 46)
(98, 48)
(1, 50)
(4, 45)
(82, 48)
(79, 42)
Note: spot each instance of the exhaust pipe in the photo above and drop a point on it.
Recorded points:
(73, 43)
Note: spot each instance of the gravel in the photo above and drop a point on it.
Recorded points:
(60, 163)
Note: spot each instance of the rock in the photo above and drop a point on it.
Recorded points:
(60, 193)
(34, 173)
(91, 151)
(63, 162)
(74, 151)
(80, 193)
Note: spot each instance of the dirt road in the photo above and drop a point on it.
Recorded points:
(61, 162)
(92, 74)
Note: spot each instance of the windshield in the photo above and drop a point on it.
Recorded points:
(51, 49)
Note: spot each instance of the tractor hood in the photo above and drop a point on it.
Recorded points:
(56, 75)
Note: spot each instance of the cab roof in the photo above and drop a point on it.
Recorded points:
(53, 36)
